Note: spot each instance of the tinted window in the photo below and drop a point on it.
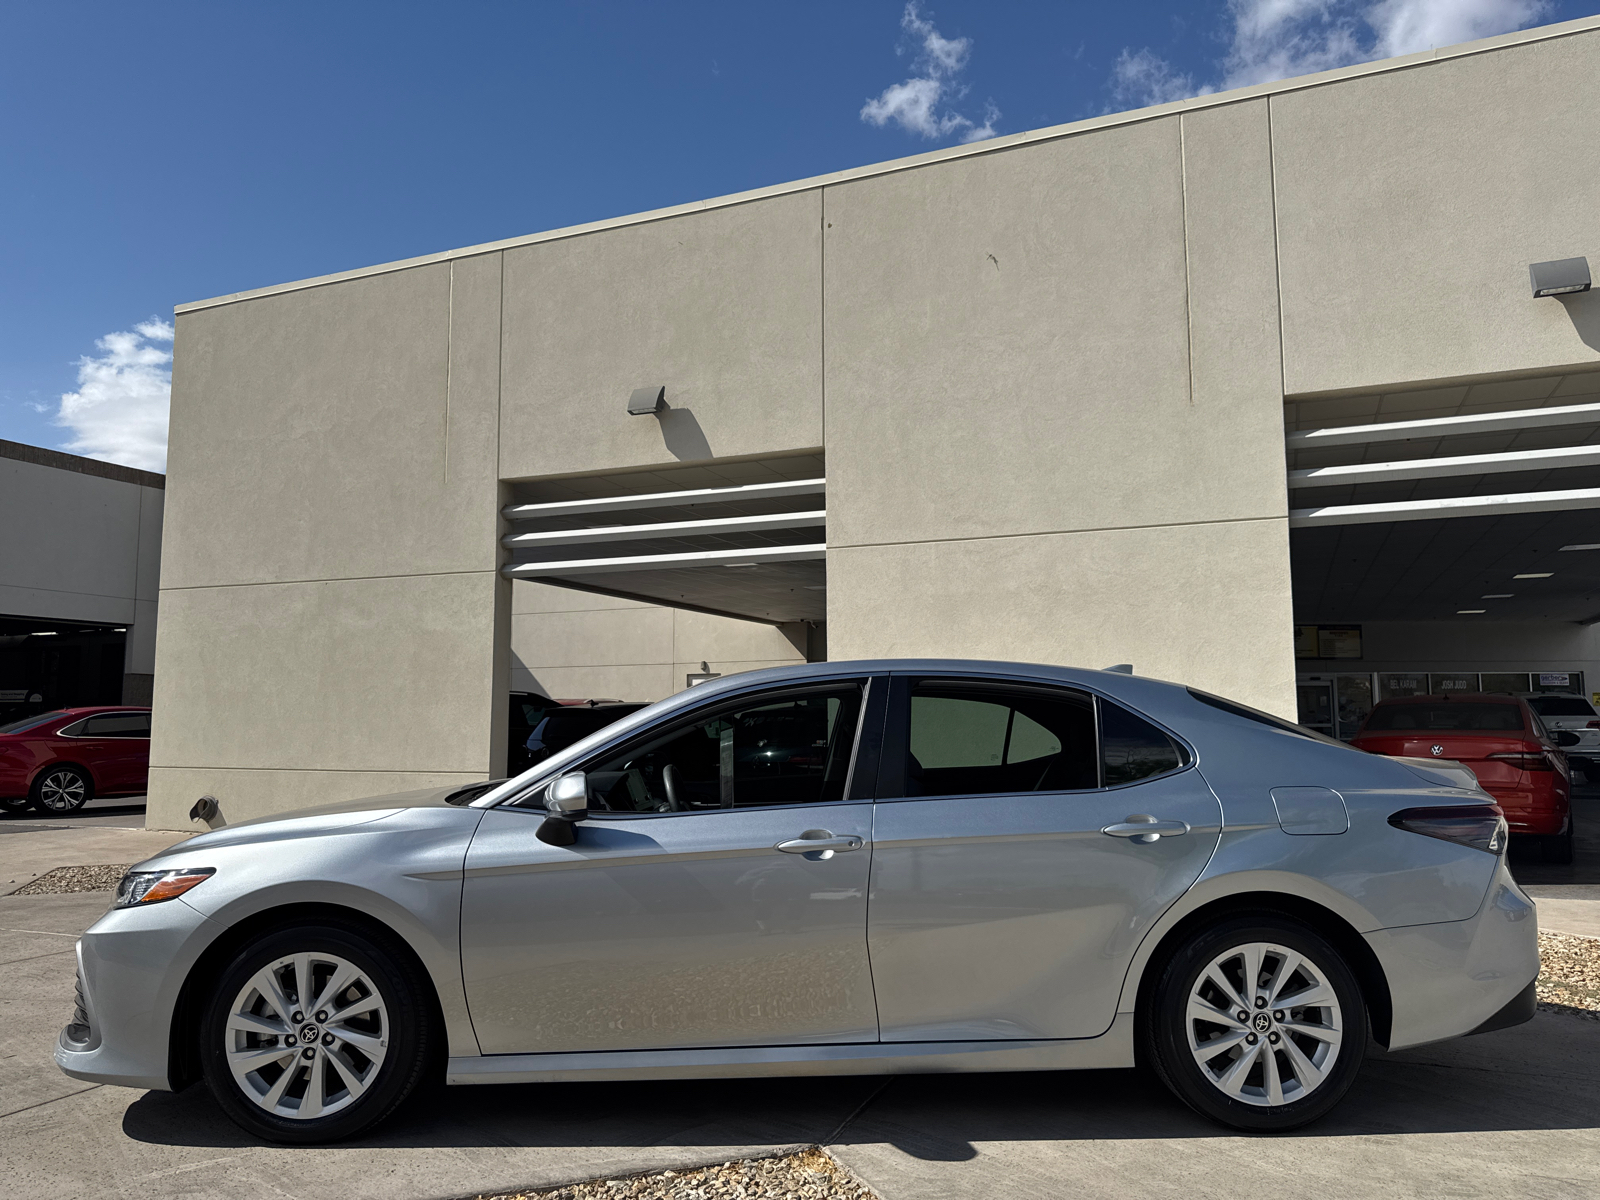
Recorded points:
(1561, 706)
(1261, 718)
(977, 741)
(777, 749)
(116, 725)
(32, 722)
(1131, 748)
(1444, 718)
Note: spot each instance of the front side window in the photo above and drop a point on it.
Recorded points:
(778, 748)
(980, 741)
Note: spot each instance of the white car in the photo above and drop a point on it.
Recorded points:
(1571, 713)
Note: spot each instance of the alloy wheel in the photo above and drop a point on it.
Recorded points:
(63, 791)
(307, 1035)
(1264, 1024)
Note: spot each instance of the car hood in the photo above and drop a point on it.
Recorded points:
(325, 818)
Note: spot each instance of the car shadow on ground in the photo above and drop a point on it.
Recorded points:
(1540, 1076)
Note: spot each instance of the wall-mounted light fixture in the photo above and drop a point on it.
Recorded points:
(704, 675)
(647, 401)
(1560, 277)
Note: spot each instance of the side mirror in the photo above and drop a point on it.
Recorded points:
(567, 801)
(1565, 737)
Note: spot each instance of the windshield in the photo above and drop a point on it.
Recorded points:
(31, 722)
(1457, 718)
(1561, 706)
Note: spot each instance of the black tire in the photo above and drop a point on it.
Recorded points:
(1165, 1029)
(15, 803)
(61, 789)
(408, 1025)
(1558, 848)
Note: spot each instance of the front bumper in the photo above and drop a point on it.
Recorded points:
(131, 964)
(1456, 977)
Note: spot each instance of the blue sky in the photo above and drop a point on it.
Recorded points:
(157, 153)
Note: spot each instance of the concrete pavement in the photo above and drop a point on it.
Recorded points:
(109, 831)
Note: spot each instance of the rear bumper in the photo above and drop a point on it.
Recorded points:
(1518, 1010)
(1458, 977)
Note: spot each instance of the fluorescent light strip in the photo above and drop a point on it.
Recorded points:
(1451, 506)
(690, 498)
(1393, 431)
(666, 562)
(1437, 468)
(1584, 546)
(1535, 575)
(664, 529)
(1465, 612)
(1497, 596)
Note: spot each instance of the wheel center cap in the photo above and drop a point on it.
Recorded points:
(309, 1033)
(1262, 1022)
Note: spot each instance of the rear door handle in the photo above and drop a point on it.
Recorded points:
(1143, 828)
(820, 842)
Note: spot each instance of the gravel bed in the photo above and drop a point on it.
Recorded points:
(808, 1175)
(74, 879)
(1569, 975)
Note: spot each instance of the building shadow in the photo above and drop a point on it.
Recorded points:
(684, 438)
(1541, 1076)
(1583, 310)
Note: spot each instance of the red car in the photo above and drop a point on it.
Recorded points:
(59, 761)
(1501, 738)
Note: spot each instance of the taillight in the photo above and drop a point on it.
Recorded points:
(1593, 725)
(1481, 826)
(1525, 760)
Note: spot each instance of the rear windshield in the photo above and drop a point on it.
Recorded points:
(1561, 706)
(1463, 718)
(30, 722)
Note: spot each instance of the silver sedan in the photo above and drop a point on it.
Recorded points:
(841, 868)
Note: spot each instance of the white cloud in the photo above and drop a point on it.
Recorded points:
(1407, 26)
(119, 412)
(920, 104)
(1141, 78)
(1278, 39)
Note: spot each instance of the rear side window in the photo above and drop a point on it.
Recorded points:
(1132, 749)
(116, 725)
(1445, 718)
(1561, 706)
(981, 741)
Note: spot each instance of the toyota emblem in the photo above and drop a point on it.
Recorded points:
(1437, 751)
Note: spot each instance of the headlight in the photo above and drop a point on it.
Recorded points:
(152, 887)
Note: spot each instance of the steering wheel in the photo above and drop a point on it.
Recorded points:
(669, 780)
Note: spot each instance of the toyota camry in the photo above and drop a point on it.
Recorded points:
(839, 868)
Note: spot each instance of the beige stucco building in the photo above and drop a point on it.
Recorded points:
(1040, 386)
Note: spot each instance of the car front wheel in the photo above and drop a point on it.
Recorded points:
(1258, 1024)
(59, 790)
(316, 1034)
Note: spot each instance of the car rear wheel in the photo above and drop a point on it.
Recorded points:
(1558, 848)
(1257, 1023)
(316, 1034)
(59, 790)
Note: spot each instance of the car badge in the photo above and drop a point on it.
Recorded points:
(1437, 751)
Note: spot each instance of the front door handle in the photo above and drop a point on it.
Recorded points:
(819, 842)
(1143, 828)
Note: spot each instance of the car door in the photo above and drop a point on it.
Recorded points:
(1025, 839)
(716, 893)
(119, 747)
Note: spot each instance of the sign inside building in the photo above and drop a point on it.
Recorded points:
(1327, 641)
